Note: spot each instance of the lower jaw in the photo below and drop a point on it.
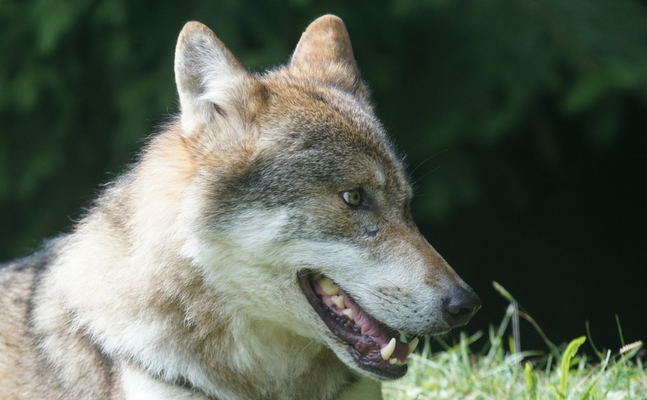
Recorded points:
(363, 350)
(378, 367)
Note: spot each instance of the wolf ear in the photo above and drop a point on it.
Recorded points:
(324, 52)
(207, 75)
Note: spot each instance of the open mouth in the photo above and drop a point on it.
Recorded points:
(376, 347)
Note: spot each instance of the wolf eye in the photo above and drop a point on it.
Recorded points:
(352, 197)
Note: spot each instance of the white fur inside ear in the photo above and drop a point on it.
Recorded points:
(206, 73)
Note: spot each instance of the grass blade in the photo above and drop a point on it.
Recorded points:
(588, 335)
(531, 382)
(503, 292)
(569, 353)
(518, 311)
(622, 339)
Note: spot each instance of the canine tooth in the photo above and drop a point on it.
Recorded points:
(339, 301)
(412, 345)
(317, 277)
(328, 286)
(393, 360)
(387, 350)
(348, 312)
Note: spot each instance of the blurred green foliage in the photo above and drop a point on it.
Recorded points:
(83, 82)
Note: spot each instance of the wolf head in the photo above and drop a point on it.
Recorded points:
(297, 210)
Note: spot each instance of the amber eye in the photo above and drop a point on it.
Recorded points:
(352, 197)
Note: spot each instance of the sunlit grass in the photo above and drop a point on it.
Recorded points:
(498, 372)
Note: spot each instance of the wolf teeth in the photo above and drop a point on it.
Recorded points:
(349, 313)
(328, 286)
(412, 345)
(393, 360)
(387, 350)
(339, 301)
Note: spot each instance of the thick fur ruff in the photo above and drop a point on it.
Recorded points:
(198, 273)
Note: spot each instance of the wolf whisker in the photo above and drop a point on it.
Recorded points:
(427, 159)
(423, 176)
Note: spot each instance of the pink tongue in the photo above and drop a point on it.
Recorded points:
(367, 325)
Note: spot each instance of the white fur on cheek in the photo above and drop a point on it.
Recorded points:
(253, 236)
(246, 263)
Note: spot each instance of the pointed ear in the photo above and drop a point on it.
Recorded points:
(207, 75)
(325, 52)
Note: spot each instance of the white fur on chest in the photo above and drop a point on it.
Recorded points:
(137, 385)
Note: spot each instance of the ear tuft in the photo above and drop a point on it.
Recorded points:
(206, 73)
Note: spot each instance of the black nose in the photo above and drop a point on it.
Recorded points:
(460, 305)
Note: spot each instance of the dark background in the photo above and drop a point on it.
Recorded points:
(523, 122)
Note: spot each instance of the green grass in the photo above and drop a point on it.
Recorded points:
(498, 372)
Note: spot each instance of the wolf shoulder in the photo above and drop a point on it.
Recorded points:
(33, 364)
(18, 280)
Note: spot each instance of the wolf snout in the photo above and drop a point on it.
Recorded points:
(460, 305)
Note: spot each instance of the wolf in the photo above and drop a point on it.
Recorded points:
(261, 248)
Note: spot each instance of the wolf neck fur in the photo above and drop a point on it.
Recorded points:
(199, 331)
